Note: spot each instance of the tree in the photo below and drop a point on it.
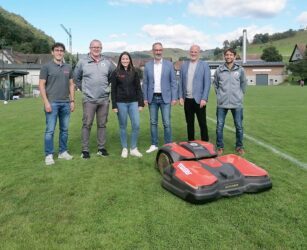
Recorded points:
(140, 72)
(183, 58)
(261, 38)
(40, 46)
(226, 44)
(71, 59)
(299, 68)
(271, 54)
(218, 52)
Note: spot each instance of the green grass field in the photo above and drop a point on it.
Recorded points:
(114, 203)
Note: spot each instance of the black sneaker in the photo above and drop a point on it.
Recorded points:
(85, 155)
(102, 152)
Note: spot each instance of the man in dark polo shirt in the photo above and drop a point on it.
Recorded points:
(57, 88)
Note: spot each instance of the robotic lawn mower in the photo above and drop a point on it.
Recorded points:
(193, 171)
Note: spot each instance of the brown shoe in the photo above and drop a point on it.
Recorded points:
(220, 151)
(240, 151)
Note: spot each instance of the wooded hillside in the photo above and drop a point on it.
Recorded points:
(17, 33)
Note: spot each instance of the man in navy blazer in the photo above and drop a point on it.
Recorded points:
(160, 92)
(194, 88)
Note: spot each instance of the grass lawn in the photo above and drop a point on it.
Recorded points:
(114, 203)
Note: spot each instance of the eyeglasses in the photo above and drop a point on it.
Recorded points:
(58, 50)
(96, 47)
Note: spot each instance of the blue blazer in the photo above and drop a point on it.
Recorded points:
(201, 81)
(169, 88)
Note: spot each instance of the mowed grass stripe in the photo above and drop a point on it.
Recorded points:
(267, 146)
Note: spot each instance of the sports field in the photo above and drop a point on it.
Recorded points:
(114, 203)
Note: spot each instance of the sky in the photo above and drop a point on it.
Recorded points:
(134, 25)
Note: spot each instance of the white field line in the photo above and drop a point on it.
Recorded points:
(267, 146)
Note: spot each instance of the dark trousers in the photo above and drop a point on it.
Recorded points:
(190, 109)
(89, 110)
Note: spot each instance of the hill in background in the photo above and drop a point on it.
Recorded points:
(17, 33)
(284, 46)
(173, 53)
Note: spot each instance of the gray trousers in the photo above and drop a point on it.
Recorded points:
(89, 110)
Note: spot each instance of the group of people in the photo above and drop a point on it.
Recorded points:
(97, 78)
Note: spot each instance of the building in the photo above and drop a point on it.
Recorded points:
(298, 52)
(264, 73)
(9, 56)
(258, 72)
(9, 87)
(31, 63)
(32, 78)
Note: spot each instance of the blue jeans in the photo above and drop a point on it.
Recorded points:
(157, 102)
(61, 110)
(237, 115)
(131, 109)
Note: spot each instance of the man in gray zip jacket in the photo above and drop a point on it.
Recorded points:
(229, 84)
(92, 76)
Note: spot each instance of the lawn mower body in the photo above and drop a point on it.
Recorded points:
(194, 172)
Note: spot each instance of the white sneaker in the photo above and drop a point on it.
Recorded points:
(135, 152)
(65, 156)
(152, 148)
(124, 153)
(49, 160)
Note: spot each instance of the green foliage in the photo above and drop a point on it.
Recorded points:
(226, 44)
(114, 203)
(17, 33)
(41, 46)
(285, 45)
(299, 68)
(71, 59)
(236, 43)
(183, 58)
(283, 35)
(218, 53)
(140, 72)
(139, 55)
(264, 38)
(261, 38)
(271, 54)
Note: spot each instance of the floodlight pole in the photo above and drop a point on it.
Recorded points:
(70, 37)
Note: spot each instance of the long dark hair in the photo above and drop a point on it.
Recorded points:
(119, 64)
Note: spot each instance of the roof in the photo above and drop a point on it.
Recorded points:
(23, 66)
(262, 63)
(13, 73)
(19, 58)
(249, 57)
(250, 63)
(301, 48)
(32, 58)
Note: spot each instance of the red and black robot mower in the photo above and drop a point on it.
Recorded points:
(193, 171)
